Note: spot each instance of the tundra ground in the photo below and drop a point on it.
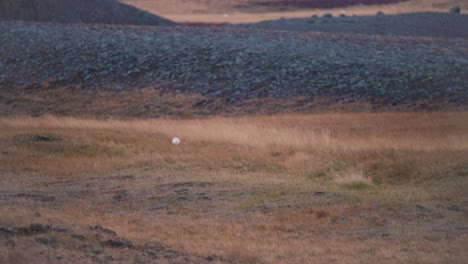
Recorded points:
(348, 188)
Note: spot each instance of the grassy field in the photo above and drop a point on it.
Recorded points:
(348, 188)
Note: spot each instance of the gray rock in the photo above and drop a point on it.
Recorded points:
(455, 9)
(88, 77)
(117, 243)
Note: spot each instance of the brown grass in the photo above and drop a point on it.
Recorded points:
(264, 174)
(291, 142)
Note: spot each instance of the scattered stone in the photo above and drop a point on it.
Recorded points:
(38, 228)
(104, 230)
(37, 138)
(192, 184)
(78, 236)
(454, 208)
(36, 197)
(455, 9)
(120, 196)
(33, 229)
(90, 248)
(47, 240)
(7, 231)
(88, 77)
(44, 138)
(422, 209)
(59, 229)
(117, 243)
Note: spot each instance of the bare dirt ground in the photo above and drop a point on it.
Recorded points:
(246, 11)
(354, 188)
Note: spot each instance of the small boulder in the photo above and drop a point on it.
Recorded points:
(44, 138)
(33, 229)
(45, 240)
(117, 243)
(455, 9)
(7, 231)
(103, 229)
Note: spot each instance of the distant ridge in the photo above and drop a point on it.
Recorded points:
(323, 3)
(78, 11)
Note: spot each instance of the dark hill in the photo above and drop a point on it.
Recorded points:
(439, 25)
(77, 11)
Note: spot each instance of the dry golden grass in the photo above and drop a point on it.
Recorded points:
(284, 236)
(282, 189)
(287, 141)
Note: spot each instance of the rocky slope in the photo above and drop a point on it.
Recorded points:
(235, 65)
(439, 25)
(84, 11)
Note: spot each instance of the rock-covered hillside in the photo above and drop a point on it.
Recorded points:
(81, 11)
(235, 65)
(439, 25)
